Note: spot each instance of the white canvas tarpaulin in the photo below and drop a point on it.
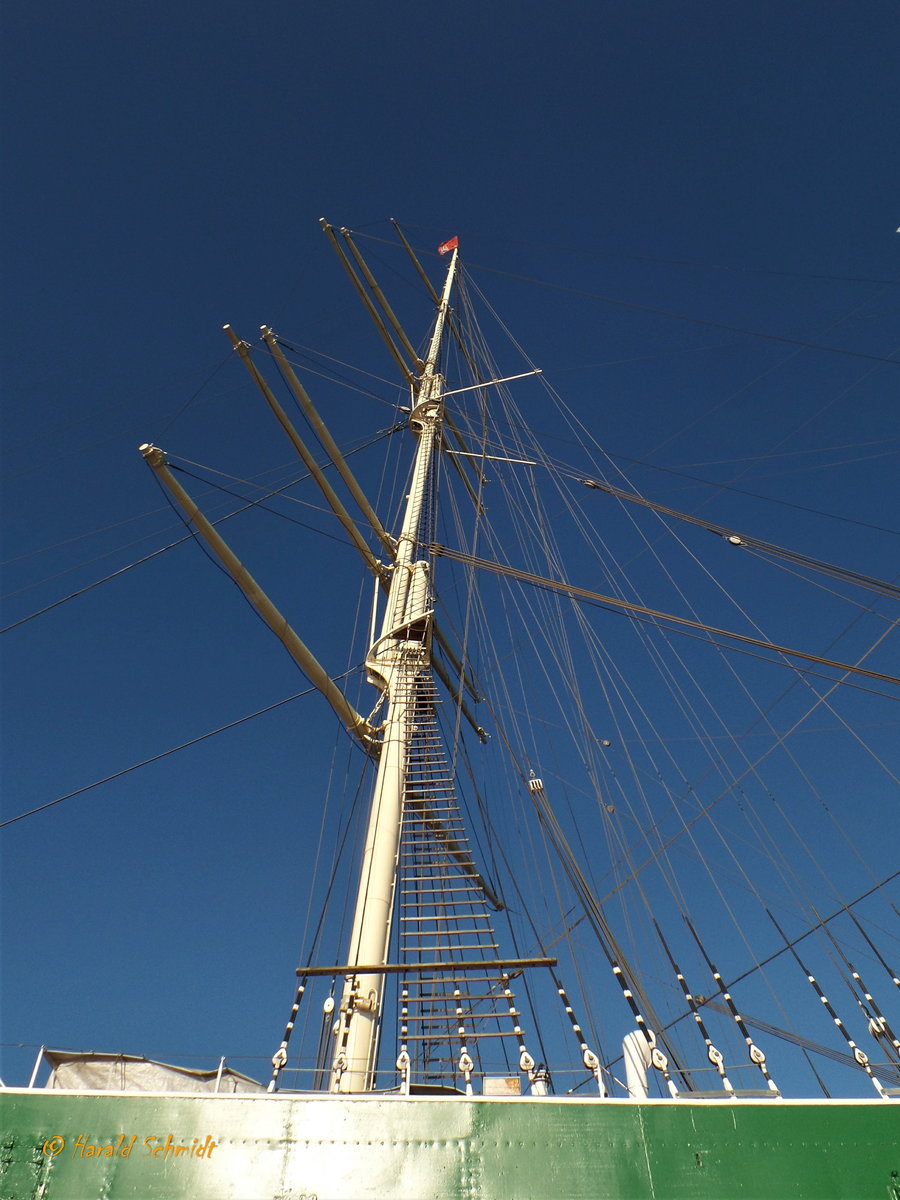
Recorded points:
(90, 1071)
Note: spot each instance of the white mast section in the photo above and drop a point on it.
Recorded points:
(399, 656)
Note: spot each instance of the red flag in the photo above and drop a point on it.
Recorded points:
(446, 247)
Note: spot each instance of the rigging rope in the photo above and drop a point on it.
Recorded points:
(662, 312)
(746, 540)
(156, 757)
(639, 610)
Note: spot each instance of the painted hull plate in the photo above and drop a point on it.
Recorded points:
(78, 1146)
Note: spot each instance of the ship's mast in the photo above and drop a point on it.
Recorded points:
(399, 658)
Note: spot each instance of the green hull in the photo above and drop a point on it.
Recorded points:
(333, 1148)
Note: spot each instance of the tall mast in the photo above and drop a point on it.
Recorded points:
(397, 660)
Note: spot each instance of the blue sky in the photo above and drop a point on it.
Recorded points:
(731, 166)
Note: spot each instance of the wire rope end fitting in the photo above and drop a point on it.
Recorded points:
(153, 455)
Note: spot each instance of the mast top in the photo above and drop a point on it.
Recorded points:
(434, 348)
(429, 388)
